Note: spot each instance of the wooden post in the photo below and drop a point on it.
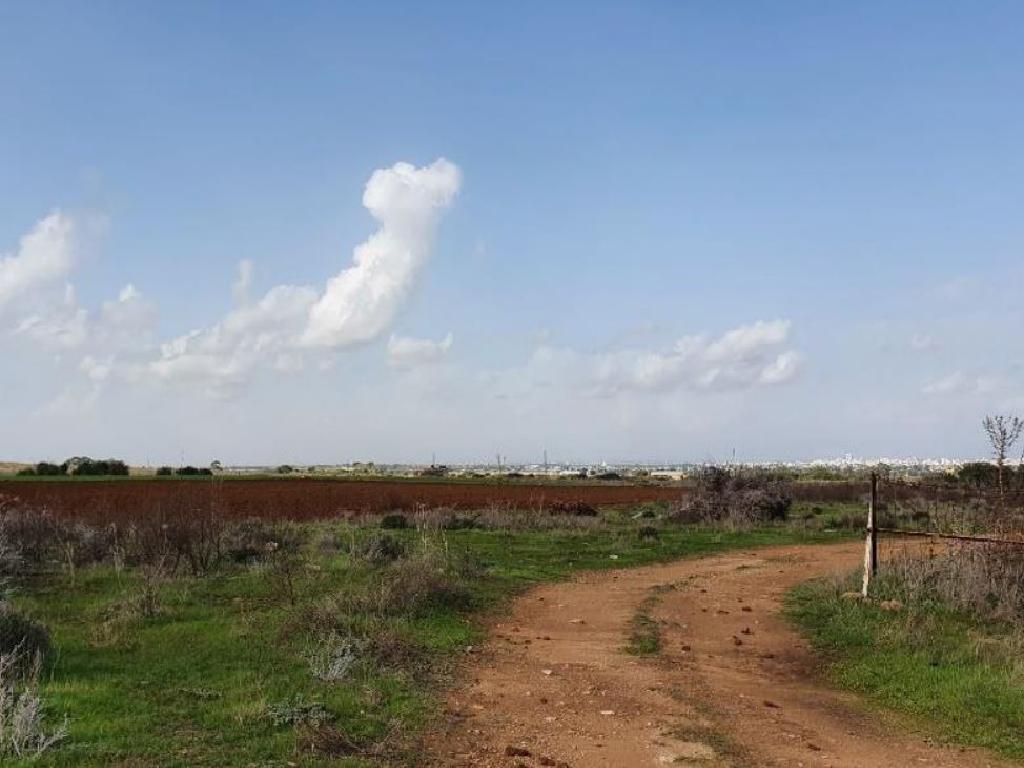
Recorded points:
(871, 540)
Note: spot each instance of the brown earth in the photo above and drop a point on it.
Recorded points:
(306, 499)
(733, 686)
(303, 498)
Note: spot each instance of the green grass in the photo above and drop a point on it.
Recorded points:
(192, 685)
(954, 675)
(645, 630)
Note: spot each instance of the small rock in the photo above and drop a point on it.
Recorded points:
(607, 712)
(771, 704)
(511, 751)
(747, 609)
(736, 640)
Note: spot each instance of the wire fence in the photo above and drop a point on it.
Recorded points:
(908, 519)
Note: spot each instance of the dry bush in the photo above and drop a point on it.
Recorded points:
(735, 498)
(378, 549)
(333, 657)
(986, 580)
(572, 508)
(25, 535)
(411, 586)
(23, 731)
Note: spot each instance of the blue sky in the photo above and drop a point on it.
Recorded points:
(663, 231)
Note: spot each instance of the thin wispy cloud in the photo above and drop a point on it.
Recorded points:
(408, 352)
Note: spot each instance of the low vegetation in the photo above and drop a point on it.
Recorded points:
(203, 640)
(940, 639)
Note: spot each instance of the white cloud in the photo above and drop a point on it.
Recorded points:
(222, 359)
(407, 352)
(61, 324)
(782, 369)
(45, 256)
(362, 300)
(357, 305)
(748, 341)
(742, 358)
(959, 383)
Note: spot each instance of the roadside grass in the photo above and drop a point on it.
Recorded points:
(220, 673)
(957, 676)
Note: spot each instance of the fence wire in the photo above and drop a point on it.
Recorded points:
(962, 544)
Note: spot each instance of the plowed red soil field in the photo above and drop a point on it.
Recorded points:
(306, 499)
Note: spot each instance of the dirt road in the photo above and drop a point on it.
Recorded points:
(733, 686)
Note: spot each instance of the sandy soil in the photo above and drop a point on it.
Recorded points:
(733, 686)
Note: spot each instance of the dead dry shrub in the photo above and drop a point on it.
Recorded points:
(378, 548)
(427, 578)
(572, 508)
(246, 540)
(25, 535)
(983, 579)
(24, 733)
(735, 498)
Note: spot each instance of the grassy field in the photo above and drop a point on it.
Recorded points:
(333, 654)
(956, 675)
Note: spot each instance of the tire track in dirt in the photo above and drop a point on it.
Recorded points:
(734, 685)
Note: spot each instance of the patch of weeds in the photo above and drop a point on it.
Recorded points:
(727, 751)
(645, 630)
(335, 656)
(296, 711)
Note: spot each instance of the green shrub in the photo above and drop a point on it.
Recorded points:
(394, 521)
(18, 632)
(190, 471)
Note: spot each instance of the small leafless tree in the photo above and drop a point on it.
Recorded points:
(1003, 432)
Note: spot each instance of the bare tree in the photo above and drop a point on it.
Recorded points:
(1003, 432)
